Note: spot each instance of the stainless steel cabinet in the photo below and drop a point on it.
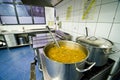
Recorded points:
(10, 40)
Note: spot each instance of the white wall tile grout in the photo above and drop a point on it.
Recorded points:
(100, 25)
(113, 19)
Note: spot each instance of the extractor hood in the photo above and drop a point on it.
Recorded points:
(50, 3)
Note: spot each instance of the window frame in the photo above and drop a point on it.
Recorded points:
(14, 3)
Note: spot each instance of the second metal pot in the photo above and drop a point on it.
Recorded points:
(98, 55)
(99, 49)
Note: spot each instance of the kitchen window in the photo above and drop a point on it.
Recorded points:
(0, 22)
(38, 14)
(6, 0)
(7, 14)
(24, 14)
(14, 12)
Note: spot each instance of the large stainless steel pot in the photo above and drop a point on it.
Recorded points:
(66, 71)
(99, 48)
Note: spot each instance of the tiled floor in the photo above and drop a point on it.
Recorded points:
(15, 64)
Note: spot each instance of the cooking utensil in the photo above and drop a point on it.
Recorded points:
(99, 48)
(66, 71)
(53, 36)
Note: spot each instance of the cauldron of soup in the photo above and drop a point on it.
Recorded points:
(68, 52)
(66, 62)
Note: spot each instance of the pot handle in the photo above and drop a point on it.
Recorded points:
(84, 70)
(111, 51)
(93, 38)
(115, 51)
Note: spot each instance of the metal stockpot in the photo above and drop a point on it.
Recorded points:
(66, 71)
(99, 49)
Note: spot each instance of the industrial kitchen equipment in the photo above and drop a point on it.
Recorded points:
(69, 68)
(99, 48)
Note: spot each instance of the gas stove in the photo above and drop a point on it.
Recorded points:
(95, 73)
(98, 73)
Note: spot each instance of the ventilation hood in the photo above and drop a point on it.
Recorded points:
(50, 3)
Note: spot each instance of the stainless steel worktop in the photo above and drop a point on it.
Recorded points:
(11, 38)
(5, 32)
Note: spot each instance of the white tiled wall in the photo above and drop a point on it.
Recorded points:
(107, 12)
(117, 18)
(103, 29)
(115, 33)
(105, 21)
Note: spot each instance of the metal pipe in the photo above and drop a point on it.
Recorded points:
(86, 31)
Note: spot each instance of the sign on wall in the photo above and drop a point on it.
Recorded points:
(88, 9)
(69, 13)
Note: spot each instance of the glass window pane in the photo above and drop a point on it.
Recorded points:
(25, 20)
(24, 14)
(0, 21)
(38, 11)
(18, 1)
(7, 10)
(40, 20)
(22, 10)
(6, 0)
(38, 14)
(9, 20)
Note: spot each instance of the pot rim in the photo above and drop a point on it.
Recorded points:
(89, 42)
(62, 62)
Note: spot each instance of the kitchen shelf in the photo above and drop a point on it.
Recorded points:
(3, 47)
(22, 39)
(21, 45)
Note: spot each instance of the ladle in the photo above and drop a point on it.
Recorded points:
(53, 37)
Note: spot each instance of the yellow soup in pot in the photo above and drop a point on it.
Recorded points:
(65, 54)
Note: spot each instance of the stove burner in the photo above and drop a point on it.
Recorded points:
(98, 73)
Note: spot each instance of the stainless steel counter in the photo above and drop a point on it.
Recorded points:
(25, 31)
(45, 73)
(11, 37)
